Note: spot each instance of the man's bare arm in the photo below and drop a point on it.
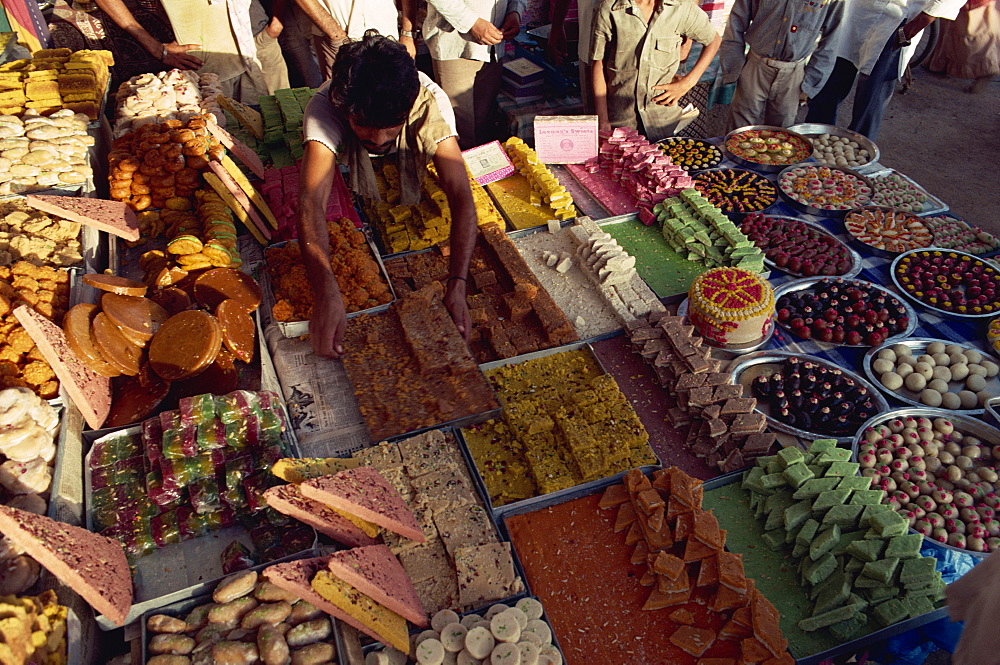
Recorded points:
(455, 183)
(171, 55)
(323, 20)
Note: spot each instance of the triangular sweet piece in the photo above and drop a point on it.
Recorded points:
(366, 493)
(634, 534)
(682, 487)
(640, 552)
(242, 151)
(695, 641)
(657, 600)
(288, 500)
(666, 585)
(731, 574)
(697, 550)
(656, 520)
(684, 617)
(708, 575)
(668, 565)
(296, 577)
(675, 508)
(94, 566)
(248, 117)
(742, 616)
(734, 632)
(727, 599)
(648, 578)
(114, 217)
(753, 650)
(375, 572)
(706, 529)
(659, 540)
(297, 470)
(661, 480)
(684, 526)
(626, 517)
(649, 500)
(615, 495)
(766, 621)
(636, 481)
(389, 626)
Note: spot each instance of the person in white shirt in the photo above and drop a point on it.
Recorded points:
(334, 21)
(876, 41)
(465, 38)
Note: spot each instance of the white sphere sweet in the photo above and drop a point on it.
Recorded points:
(892, 381)
(930, 397)
(916, 382)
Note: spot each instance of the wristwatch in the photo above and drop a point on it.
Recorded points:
(901, 38)
(408, 33)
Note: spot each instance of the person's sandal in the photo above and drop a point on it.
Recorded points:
(979, 85)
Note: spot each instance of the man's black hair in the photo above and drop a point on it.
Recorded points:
(375, 80)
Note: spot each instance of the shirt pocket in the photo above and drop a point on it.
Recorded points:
(665, 53)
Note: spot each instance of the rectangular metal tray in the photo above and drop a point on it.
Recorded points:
(299, 328)
(511, 227)
(170, 562)
(932, 206)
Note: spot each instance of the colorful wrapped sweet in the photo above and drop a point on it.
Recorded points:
(197, 409)
(211, 435)
(236, 470)
(152, 440)
(205, 495)
(165, 497)
(254, 485)
(166, 529)
(236, 557)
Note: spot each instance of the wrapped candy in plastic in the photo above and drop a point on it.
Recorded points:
(102, 477)
(104, 452)
(236, 470)
(152, 439)
(254, 485)
(197, 409)
(130, 474)
(270, 401)
(166, 528)
(266, 536)
(292, 541)
(235, 434)
(140, 508)
(270, 429)
(276, 518)
(237, 405)
(266, 457)
(171, 444)
(211, 435)
(236, 557)
(129, 445)
(158, 493)
(205, 495)
(102, 508)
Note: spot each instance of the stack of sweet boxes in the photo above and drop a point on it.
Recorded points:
(545, 188)
(693, 226)
(723, 427)
(645, 170)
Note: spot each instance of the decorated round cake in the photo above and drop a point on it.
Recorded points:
(731, 306)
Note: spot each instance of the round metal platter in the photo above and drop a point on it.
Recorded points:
(917, 346)
(752, 365)
(809, 282)
(735, 350)
(762, 166)
(755, 176)
(812, 210)
(931, 308)
(963, 423)
(855, 257)
(872, 249)
(812, 130)
(710, 147)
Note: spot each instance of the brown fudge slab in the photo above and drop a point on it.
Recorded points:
(748, 422)
(426, 561)
(438, 593)
(90, 392)
(114, 217)
(383, 454)
(364, 492)
(485, 573)
(466, 526)
(737, 405)
(92, 565)
(287, 499)
(443, 490)
(375, 572)
(727, 392)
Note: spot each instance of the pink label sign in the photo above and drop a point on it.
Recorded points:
(565, 139)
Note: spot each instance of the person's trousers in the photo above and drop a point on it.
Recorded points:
(272, 62)
(823, 106)
(326, 52)
(472, 86)
(296, 44)
(767, 93)
(586, 87)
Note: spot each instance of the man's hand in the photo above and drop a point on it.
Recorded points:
(178, 57)
(557, 44)
(411, 46)
(327, 325)
(511, 25)
(485, 33)
(274, 28)
(803, 98)
(454, 300)
(672, 92)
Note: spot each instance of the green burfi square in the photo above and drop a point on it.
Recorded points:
(796, 514)
(847, 536)
(866, 550)
(774, 466)
(853, 628)
(837, 589)
(797, 474)
(843, 613)
(799, 550)
(771, 481)
(889, 524)
(776, 518)
(833, 455)
(854, 565)
(917, 573)
(855, 483)
(815, 591)
(779, 500)
(775, 539)
(831, 498)
(816, 571)
(871, 511)
(845, 516)
(764, 461)
(890, 612)
(916, 605)
(869, 583)
(751, 481)
(807, 532)
(881, 570)
(822, 445)
(867, 497)
(792, 534)
(814, 487)
(841, 469)
(879, 593)
(906, 546)
(824, 542)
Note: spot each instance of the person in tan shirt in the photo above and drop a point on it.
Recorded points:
(635, 53)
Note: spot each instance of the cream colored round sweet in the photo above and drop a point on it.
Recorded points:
(975, 383)
(984, 396)
(957, 359)
(992, 369)
(916, 382)
(930, 397)
(976, 369)
(941, 359)
(969, 399)
(902, 350)
(887, 354)
(891, 380)
(935, 347)
(925, 370)
(883, 365)
(960, 371)
(951, 401)
(926, 358)
(942, 372)
(904, 369)
(973, 355)
(938, 384)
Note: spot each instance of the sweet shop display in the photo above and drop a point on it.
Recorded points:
(30, 235)
(950, 282)
(843, 311)
(769, 147)
(731, 306)
(564, 422)
(955, 233)
(35, 629)
(895, 191)
(410, 367)
(402, 228)
(55, 79)
(511, 311)
(691, 154)
(833, 150)
(824, 188)
(935, 474)
(170, 95)
(888, 230)
(736, 190)
(697, 229)
(44, 152)
(797, 247)
(935, 373)
(362, 284)
(247, 619)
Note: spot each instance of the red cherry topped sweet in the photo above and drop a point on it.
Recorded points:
(843, 311)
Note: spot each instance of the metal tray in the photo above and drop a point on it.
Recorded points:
(809, 282)
(931, 308)
(871, 249)
(856, 645)
(967, 424)
(735, 350)
(918, 346)
(299, 328)
(949, 213)
(932, 205)
(811, 129)
(585, 202)
(758, 166)
(811, 210)
(709, 144)
(510, 227)
(818, 227)
(777, 197)
(200, 554)
(748, 364)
